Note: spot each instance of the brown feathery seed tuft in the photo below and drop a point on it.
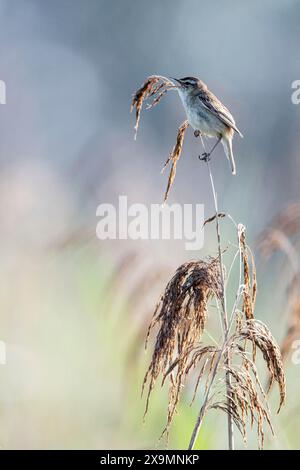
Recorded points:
(250, 284)
(174, 156)
(153, 85)
(181, 315)
(258, 333)
(281, 235)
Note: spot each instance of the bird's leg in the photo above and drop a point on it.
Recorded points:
(206, 155)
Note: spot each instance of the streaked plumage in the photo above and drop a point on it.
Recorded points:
(207, 114)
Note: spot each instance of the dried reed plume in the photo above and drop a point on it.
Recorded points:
(174, 156)
(156, 87)
(248, 398)
(181, 315)
(232, 383)
(250, 283)
(293, 330)
(258, 333)
(142, 277)
(282, 234)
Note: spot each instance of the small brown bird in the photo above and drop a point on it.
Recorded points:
(207, 115)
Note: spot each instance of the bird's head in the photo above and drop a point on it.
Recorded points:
(187, 83)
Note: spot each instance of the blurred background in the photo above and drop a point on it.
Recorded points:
(74, 310)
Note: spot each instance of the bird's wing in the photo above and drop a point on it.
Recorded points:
(215, 106)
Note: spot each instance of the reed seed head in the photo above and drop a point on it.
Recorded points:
(181, 315)
(154, 87)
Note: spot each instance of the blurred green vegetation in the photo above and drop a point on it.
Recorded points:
(74, 334)
(75, 368)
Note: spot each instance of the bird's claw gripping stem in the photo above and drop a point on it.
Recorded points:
(205, 157)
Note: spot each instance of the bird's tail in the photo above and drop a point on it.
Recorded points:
(227, 144)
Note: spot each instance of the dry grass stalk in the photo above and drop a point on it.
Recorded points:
(174, 156)
(247, 399)
(181, 315)
(221, 215)
(224, 320)
(154, 87)
(257, 332)
(250, 283)
(181, 318)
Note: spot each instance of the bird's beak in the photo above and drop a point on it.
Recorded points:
(176, 80)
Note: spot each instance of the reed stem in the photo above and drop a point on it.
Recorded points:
(224, 316)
